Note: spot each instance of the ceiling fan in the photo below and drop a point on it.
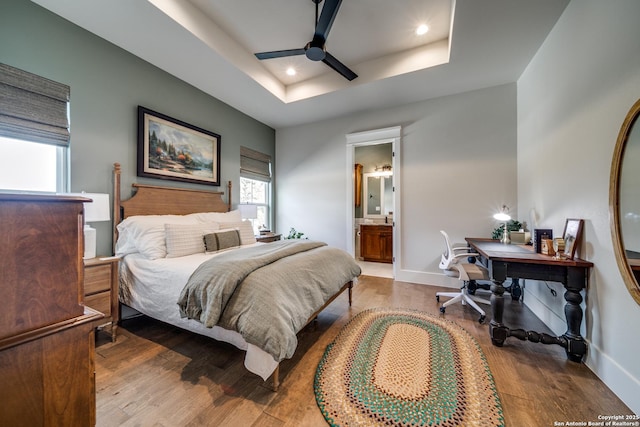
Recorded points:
(316, 50)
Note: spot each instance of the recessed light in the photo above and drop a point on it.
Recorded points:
(422, 29)
(291, 71)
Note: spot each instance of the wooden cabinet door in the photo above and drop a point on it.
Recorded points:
(376, 243)
(370, 244)
(387, 245)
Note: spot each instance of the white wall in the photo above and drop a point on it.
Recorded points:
(572, 100)
(458, 166)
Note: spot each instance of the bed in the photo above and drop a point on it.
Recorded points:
(187, 259)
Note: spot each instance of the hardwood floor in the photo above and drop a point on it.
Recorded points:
(158, 375)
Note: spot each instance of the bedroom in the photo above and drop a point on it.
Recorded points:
(568, 104)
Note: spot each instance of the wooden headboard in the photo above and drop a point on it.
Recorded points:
(153, 200)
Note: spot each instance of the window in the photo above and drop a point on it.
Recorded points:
(34, 132)
(32, 166)
(255, 185)
(256, 193)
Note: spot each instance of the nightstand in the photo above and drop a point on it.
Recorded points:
(266, 238)
(101, 289)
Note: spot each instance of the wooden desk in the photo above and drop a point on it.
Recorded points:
(522, 262)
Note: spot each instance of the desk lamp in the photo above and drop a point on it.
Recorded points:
(504, 216)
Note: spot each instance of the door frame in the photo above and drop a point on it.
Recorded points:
(374, 137)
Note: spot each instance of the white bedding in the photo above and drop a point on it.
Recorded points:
(154, 288)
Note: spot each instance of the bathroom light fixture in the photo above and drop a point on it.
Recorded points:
(422, 29)
(384, 170)
(503, 215)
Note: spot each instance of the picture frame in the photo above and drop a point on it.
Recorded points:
(572, 234)
(171, 149)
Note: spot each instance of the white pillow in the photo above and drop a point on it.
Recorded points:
(145, 234)
(187, 239)
(244, 227)
(231, 216)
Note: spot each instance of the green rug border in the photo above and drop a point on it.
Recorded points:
(402, 312)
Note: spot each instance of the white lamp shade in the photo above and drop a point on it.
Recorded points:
(503, 215)
(99, 209)
(248, 211)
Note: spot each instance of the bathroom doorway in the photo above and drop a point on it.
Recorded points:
(373, 217)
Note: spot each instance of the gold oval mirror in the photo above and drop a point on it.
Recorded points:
(624, 201)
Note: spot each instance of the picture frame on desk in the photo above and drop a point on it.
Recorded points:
(572, 234)
(538, 235)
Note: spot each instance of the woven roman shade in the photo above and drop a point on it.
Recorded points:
(255, 165)
(33, 108)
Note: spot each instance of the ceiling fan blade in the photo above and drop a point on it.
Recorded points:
(332, 62)
(328, 15)
(280, 53)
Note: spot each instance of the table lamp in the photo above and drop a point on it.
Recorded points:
(504, 216)
(249, 212)
(95, 211)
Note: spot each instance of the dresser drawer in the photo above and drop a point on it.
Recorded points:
(101, 289)
(100, 302)
(97, 279)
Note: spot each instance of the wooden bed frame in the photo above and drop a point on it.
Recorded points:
(154, 200)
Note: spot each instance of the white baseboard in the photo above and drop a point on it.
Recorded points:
(425, 278)
(621, 382)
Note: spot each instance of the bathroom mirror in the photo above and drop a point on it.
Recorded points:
(624, 201)
(378, 195)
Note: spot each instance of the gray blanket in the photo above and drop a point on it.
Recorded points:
(268, 292)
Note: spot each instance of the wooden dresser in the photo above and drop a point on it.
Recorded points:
(46, 333)
(376, 243)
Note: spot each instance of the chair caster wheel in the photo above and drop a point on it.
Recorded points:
(481, 319)
(438, 298)
(442, 309)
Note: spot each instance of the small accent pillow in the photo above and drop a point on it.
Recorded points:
(220, 240)
(186, 239)
(146, 234)
(244, 227)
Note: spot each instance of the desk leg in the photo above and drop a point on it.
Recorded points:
(515, 290)
(497, 330)
(576, 347)
(571, 341)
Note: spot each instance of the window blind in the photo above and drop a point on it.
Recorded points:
(255, 165)
(33, 108)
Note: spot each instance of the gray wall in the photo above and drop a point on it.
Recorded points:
(457, 167)
(107, 84)
(572, 100)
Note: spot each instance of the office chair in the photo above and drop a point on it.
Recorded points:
(467, 272)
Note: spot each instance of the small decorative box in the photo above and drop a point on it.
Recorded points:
(520, 237)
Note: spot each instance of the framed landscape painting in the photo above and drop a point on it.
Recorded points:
(171, 149)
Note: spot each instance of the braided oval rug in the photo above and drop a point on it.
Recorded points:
(395, 367)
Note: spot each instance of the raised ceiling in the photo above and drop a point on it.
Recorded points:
(210, 44)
